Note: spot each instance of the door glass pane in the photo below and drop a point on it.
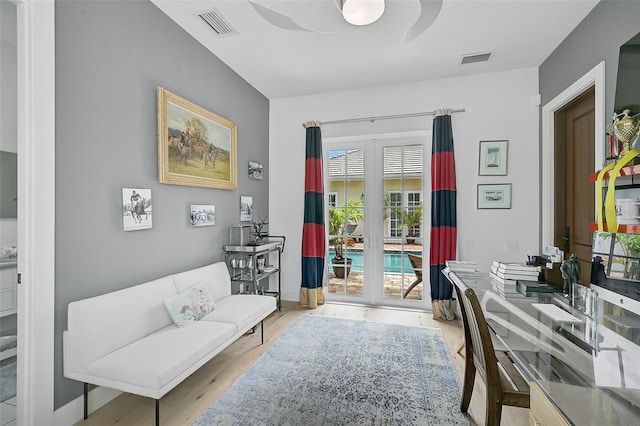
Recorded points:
(346, 222)
(402, 224)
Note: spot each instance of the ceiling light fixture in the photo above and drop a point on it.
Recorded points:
(362, 12)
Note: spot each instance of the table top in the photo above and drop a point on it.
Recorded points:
(588, 371)
(254, 248)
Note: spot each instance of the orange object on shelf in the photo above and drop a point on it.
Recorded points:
(622, 229)
(625, 171)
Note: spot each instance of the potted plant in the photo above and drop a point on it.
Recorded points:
(338, 218)
(412, 221)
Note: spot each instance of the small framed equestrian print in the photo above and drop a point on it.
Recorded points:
(255, 170)
(136, 209)
(195, 147)
(246, 208)
(203, 215)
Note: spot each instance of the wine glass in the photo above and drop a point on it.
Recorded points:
(234, 265)
(242, 263)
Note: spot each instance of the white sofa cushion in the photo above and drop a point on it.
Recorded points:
(155, 360)
(242, 310)
(103, 324)
(190, 305)
(215, 277)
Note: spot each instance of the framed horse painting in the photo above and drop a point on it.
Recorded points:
(195, 147)
(136, 209)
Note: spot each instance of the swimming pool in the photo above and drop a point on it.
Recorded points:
(394, 261)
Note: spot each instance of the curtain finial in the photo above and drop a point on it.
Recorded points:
(442, 111)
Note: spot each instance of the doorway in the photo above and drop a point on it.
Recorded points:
(8, 213)
(375, 188)
(592, 80)
(36, 209)
(574, 159)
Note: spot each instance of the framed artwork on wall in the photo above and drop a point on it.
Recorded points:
(195, 147)
(255, 170)
(202, 215)
(494, 196)
(136, 209)
(493, 158)
(246, 208)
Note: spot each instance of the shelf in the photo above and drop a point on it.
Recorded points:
(267, 246)
(625, 171)
(622, 229)
(249, 276)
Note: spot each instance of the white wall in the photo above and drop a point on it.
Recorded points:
(498, 106)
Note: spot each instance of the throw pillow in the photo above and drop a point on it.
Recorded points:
(190, 305)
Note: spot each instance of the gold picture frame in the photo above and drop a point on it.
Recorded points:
(195, 147)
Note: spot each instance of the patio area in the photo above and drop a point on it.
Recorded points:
(394, 285)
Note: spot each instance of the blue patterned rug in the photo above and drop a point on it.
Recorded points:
(331, 371)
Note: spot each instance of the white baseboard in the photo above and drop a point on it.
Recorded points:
(73, 412)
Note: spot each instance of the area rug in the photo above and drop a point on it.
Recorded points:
(331, 371)
(7, 379)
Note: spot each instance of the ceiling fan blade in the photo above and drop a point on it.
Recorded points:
(276, 18)
(318, 16)
(429, 11)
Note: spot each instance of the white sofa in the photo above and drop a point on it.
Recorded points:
(127, 341)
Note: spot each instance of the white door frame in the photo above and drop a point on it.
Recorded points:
(374, 201)
(36, 208)
(595, 77)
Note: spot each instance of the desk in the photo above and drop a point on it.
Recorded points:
(588, 372)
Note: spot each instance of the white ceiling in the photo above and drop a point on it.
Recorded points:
(283, 63)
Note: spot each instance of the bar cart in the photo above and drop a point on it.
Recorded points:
(250, 264)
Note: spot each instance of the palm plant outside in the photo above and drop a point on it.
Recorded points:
(630, 244)
(413, 220)
(340, 216)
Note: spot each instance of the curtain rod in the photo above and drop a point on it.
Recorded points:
(380, 117)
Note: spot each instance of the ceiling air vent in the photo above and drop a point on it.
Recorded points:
(214, 19)
(474, 58)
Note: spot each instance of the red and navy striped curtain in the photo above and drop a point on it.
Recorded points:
(444, 232)
(313, 233)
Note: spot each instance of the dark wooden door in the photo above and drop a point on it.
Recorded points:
(574, 194)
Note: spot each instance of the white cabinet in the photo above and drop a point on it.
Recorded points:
(8, 289)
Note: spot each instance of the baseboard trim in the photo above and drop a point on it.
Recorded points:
(73, 412)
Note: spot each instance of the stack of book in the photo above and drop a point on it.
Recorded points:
(515, 271)
(463, 267)
(528, 288)
(504, 276)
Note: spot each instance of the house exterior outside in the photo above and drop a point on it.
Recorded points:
(402, 184)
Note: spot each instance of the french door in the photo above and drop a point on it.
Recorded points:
(376, 201)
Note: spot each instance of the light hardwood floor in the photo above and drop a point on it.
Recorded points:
(186, 402)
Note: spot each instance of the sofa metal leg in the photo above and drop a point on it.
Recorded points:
(157, 412)
(262, 331)
(86, 401)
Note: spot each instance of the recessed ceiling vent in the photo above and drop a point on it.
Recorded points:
(214, 19)
(475, 58)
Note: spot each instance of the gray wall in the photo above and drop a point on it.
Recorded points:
(598, 38)
(110, 58)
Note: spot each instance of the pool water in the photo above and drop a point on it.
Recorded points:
(394, 261)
